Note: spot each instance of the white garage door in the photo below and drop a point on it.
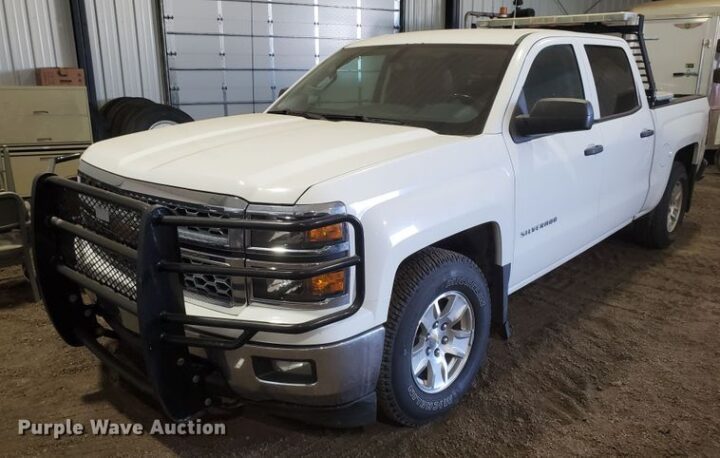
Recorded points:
(233, 56)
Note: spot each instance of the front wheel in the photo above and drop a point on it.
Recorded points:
(658, 228)
(436, 337)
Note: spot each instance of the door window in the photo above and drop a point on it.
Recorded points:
(554, 73)
(614, 80)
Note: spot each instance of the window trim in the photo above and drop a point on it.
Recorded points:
(618, 115)
(638, 96)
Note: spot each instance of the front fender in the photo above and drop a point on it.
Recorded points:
(414, 201)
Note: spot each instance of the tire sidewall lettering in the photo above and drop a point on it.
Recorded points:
(430, 406)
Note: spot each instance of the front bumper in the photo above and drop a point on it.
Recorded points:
(184, 384)
(343, 372)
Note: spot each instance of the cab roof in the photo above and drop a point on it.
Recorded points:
(467, 36)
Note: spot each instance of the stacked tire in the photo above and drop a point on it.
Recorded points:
(127, 115)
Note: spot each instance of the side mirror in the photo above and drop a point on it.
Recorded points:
(554, 115)
(282, 91)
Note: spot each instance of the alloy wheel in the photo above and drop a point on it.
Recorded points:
(442, 341)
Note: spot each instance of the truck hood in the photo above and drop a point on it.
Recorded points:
(263, 158)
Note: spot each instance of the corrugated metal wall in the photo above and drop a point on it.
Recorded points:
(34, 33)
(126, 50)
(424, 15)
(124, 36)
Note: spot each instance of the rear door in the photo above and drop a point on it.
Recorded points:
(626, 126)
(556, 184)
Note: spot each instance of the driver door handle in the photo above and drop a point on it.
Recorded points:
(593, 150)
(647, 133)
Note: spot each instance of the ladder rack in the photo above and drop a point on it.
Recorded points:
(629, 26)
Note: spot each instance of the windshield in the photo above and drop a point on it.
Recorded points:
(447, 88)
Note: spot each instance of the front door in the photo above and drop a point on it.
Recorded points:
(556, 183)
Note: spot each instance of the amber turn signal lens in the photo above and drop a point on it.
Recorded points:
(330, 233)
(328, 284)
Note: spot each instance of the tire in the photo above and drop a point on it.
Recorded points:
(119, 107)
(655, 229)
(431, 274)
(147, 117)
(110, 108)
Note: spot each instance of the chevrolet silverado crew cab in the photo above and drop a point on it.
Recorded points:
(348, 251)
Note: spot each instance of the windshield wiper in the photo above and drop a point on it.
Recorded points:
(337, 117)
(360, 118)
(303, 114)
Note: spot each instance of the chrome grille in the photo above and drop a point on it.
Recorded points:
(217, 288)
(123, 226)
(201, 236)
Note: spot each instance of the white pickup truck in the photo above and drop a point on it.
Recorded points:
(348, 250)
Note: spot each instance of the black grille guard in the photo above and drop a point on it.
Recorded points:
(172, 374)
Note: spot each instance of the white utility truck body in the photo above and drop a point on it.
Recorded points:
(683, 41)
(494, 180)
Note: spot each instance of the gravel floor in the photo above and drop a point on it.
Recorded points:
(615, 353)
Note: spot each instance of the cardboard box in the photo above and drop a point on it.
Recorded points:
(60, 76)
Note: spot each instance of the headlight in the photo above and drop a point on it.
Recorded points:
(295, 250)
(315, 289)
(319, 242)
(289, 242)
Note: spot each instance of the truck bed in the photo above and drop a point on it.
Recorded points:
(677, 124)
(678, 99)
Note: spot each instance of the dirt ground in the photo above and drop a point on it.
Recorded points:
(615, 353)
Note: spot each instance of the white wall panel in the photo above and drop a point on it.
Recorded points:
(233, 56)
(34, 33)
